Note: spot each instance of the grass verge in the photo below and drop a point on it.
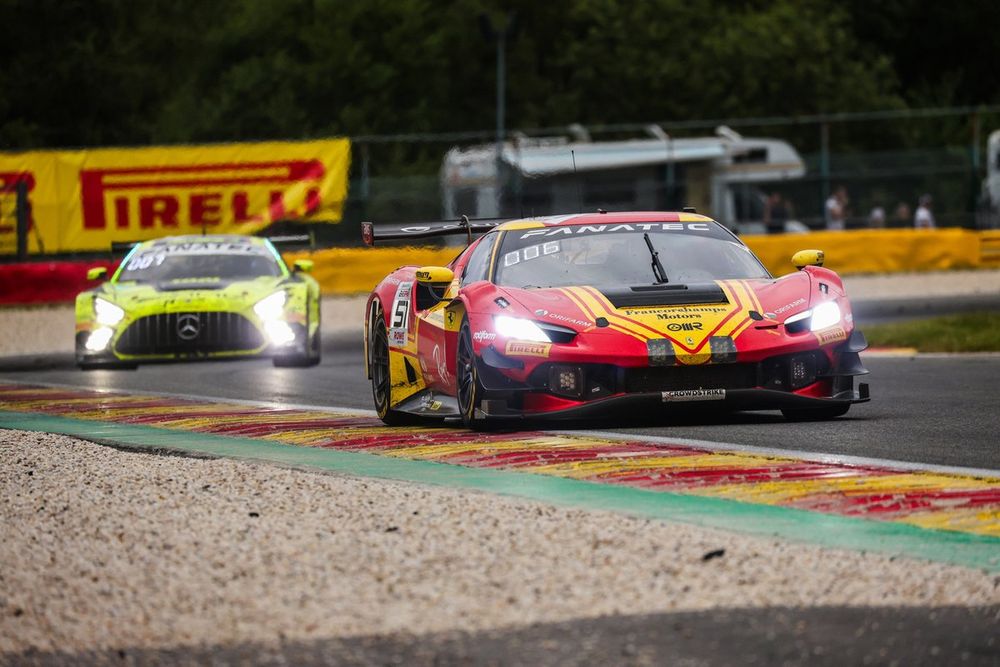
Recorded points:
(968, 332)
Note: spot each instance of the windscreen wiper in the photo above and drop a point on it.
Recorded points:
(658, 270)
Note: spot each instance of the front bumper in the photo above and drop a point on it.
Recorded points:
(649, 402)
(809, 379)
(148, 345)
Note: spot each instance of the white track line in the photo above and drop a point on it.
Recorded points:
(818, 457)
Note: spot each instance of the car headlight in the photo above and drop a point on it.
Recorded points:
(107, 312)
(99, 339)
(515, 327)
(823, 316)
(279, 332)
(271, 307)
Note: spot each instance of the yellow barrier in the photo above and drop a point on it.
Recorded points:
(358, 270)
(874, 250)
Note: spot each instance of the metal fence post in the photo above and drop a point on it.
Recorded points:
(824, 165)
(23, 218)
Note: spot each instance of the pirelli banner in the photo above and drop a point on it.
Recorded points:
(83, 200)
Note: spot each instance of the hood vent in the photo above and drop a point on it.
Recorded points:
(664, 295)
(190, 285)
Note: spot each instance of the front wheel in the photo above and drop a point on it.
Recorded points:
(469, 389)
(815, 414)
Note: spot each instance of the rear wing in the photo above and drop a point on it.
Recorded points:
(121, 247)
(371, 233)
(294, 239)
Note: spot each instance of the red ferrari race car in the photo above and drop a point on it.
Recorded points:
(575, 316)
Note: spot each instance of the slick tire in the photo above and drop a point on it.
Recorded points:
(312, 358)
(815, 414)
(469, 389)
(380, 371)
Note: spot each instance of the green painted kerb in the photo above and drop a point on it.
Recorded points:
(828, 530)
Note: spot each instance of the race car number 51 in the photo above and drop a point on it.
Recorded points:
(694, 395)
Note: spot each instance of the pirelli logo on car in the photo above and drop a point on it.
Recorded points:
(831, 336)
(528, 349)
(684, 395)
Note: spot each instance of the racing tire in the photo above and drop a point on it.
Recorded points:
(381, 372)
(815, 414)
(469, 390)
(310, 358)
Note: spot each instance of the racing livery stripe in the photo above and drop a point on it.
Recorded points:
(932, 501)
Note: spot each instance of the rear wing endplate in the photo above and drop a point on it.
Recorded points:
(371, 233)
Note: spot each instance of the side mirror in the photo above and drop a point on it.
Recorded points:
(97, 273)
(435, 275)
(804, 258)
(302, 266)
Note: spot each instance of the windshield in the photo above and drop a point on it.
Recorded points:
(620, 255)
(226, 261)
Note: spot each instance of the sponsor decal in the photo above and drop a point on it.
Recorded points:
(391, 280)
(684, 395)
(684, 326)
(484, 336)
(586, 324)
(502, 302)
(678, 313)
(526, 349)
(786, 307)
(831, 335)
(424, 275)
(570, 230)
(541, 312)
(397, 337)
(440, 364)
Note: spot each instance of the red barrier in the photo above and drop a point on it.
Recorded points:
(46, 282)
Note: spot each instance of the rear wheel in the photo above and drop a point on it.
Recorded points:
(469, 390)
(815, 414)
(381, 371)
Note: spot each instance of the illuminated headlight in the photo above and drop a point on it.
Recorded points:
(279, 332)
(271, 307)
(99, 339)
(825, 315)
(107, 313)
(515, 327)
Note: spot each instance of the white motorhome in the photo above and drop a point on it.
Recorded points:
(720, 175)
(989, 203)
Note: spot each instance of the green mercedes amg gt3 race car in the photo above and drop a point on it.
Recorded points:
(197, 297)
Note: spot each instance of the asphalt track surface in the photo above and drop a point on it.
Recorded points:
(770, 636)
(939, 410)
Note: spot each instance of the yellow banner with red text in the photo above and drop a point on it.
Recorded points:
(84, 200)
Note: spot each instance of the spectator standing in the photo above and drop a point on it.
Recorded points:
(901, 218)
(924, 218)
(835, 210)
(876, 218)
(776, 213)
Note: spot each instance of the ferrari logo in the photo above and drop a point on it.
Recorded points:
(188, 326)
